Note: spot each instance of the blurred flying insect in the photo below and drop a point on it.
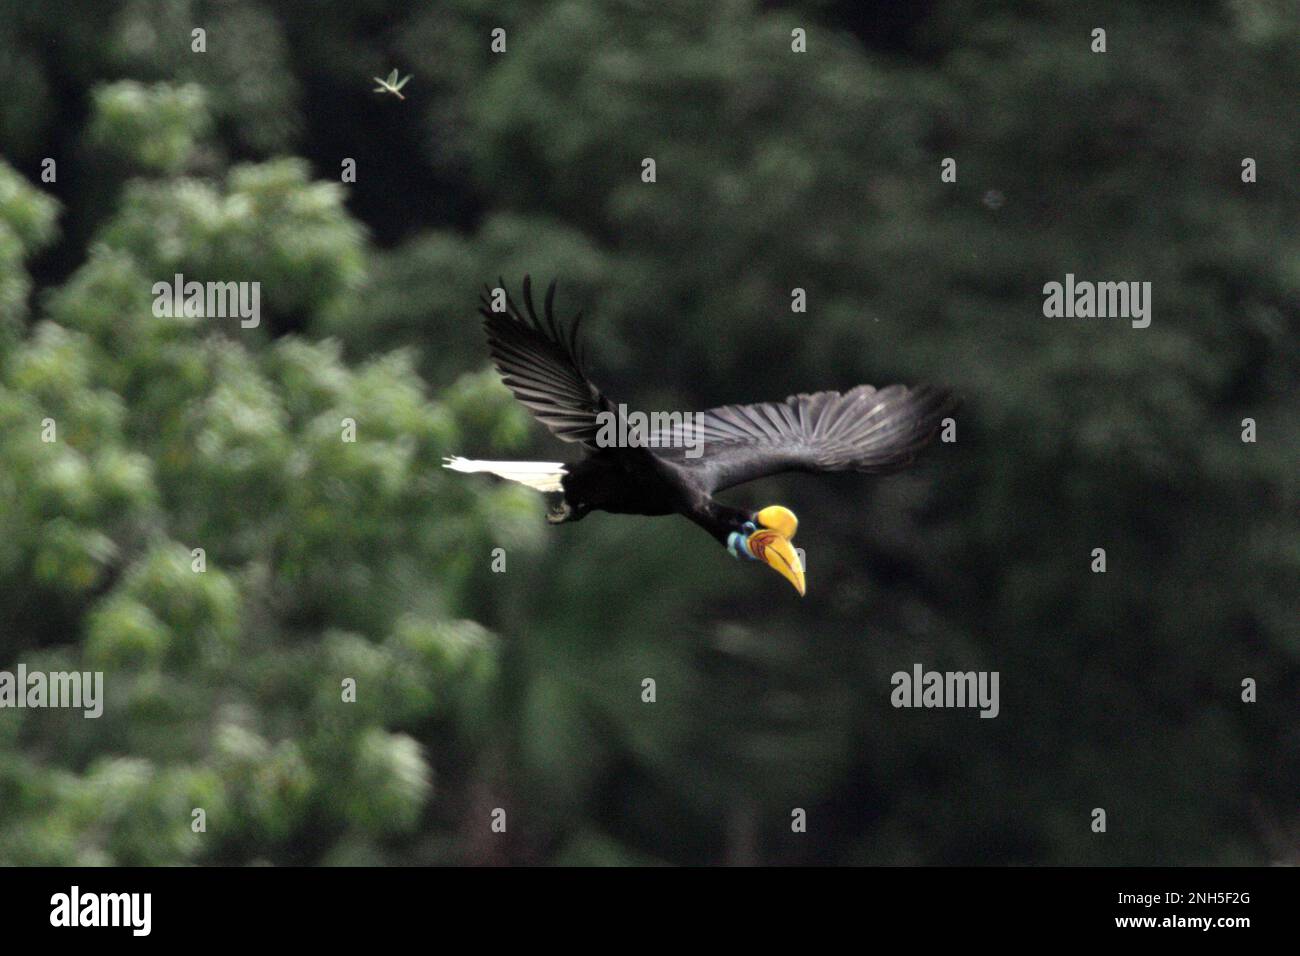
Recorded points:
(391, 85)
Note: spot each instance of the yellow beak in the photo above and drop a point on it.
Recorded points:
(779, 519)
(775, 550)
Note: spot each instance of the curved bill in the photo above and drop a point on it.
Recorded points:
(775, 550)
(778, 518)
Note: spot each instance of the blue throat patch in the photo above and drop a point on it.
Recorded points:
(736, 546)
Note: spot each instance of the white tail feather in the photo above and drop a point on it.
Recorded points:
(538, 475)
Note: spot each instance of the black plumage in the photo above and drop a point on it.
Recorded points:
(542, 366)
(864, 429)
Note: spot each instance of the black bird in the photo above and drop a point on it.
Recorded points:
(673, 464)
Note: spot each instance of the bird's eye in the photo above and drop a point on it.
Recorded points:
(749, 527)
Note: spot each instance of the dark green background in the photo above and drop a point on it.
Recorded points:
(522, 690)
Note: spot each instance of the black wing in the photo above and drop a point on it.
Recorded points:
(540, 364)
(864, 429)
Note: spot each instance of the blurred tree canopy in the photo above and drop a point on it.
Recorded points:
(328, 561)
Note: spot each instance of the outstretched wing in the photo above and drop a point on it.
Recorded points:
(864, 429)
(540, 364)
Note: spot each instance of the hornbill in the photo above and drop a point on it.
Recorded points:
(864, 429)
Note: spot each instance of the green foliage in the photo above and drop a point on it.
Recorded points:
(172, 435)
(329, 560)
(269, 221)
(155, 127)
(27, 224)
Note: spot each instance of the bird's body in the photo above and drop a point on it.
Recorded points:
(678, 468)
(632, 481)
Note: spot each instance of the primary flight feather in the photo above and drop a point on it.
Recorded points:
(677, 468)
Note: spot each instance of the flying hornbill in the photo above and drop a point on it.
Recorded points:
(863, 429)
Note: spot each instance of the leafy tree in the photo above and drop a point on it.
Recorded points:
(775, 170)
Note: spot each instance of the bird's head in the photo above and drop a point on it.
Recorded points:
(765, 537)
